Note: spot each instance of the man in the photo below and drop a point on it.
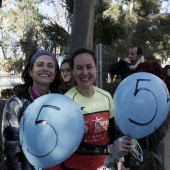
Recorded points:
(128, 65)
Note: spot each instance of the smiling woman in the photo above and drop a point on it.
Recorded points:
(97, 108)
(40, 76)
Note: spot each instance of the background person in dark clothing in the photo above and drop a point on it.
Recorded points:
(166, 76)
(128, 65)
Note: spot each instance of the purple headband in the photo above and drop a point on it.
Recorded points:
(40, 53)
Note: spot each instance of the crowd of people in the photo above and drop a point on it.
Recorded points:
(76, 79)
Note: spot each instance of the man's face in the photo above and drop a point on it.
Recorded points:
(133, 56)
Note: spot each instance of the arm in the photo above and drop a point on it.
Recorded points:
(14, 157)
(111, 131)
(117, 68)
(117, 145)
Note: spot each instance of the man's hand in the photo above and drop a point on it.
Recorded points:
(128, 60)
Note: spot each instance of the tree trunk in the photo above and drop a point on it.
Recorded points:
(83, 24)
(131, 2)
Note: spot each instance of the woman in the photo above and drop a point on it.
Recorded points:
(66, 76)
(96, 106)
(40, 76)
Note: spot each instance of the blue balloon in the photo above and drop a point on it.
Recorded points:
(51, 129)
(141, 104)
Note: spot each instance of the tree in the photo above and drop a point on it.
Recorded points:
(56, 37)
(24, 30)
(83, 24)
(106, 29)
(144, 25)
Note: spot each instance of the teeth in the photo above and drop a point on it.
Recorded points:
(44, 75)
(85, 79)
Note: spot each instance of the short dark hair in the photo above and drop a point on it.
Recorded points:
(139, 49)
(81, 51)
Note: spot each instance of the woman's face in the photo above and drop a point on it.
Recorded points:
(66, 72)
(84, 70)
(43, 71)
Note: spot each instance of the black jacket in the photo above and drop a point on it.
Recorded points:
(14, 156)
(120, 68)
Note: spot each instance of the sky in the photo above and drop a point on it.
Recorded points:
(57, 12)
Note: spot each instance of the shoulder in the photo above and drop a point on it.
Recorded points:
(104, 98)
(103, 92)
(16, 100)
(71, 93)
(16, 103)
(13, 100)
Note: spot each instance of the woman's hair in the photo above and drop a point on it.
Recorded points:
(81, 51)
(66, 60)
(22, 89)
(151, 67)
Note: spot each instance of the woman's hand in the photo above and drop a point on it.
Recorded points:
(121, 145)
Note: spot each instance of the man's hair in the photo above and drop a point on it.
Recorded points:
(139, 49)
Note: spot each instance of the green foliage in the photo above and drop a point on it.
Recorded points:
(56, 36)
(117, 24)
(29, 38)
(144, 25)
(24, 30)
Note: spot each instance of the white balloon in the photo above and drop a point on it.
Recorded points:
(141, 104)
(51, 129)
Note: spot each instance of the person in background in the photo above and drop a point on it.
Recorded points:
(97, 108)
(128, 65)
(166, 77)
(66, 76)
(40, 76)
(152, 67)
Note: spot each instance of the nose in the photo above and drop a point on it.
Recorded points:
(45, 67)
(85, 71)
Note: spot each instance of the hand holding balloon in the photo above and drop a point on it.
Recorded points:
(120, 147)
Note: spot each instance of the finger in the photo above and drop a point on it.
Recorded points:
(127, 142)
(127, 137)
